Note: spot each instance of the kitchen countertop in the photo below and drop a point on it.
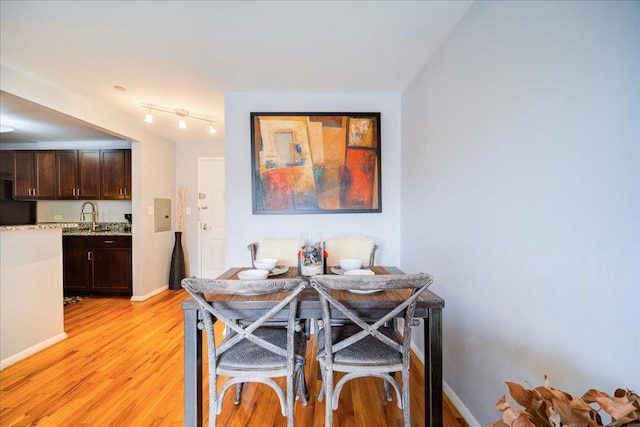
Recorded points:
(68, 229)
(37, 226)
(80, 232)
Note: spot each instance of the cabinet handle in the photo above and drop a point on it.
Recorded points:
(35, 191)
(125, 191)
(90, 256)
(108, 242)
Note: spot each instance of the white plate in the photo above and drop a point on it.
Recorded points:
(358, 291)
(337, 270)
(280, 269)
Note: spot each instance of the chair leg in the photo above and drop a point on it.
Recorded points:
(236, 399)
(290, 401)
(387, 391)
(301, 385)
(321, 394)
(213, 400)
(406, 411)
(328, 403)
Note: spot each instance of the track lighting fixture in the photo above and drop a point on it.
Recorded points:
(181, 113)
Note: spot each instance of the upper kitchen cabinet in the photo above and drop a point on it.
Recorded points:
(115, 168)
(34, 175)
(6, 164)
(78, 173)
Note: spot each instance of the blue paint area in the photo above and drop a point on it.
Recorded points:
(318, 175)
(305, 202)
(269, 164)
(299, 149)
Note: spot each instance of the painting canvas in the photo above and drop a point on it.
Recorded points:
(315, 163)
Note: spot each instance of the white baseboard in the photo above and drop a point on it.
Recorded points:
(32, 350)
(460, 406)
(453, 397)
(149, 295)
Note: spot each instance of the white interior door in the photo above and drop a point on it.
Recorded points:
(211, 222)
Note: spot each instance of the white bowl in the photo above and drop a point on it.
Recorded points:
(265, 263)
(359, 272)
(350, 264)
(257, 274)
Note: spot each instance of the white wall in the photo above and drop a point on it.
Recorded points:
(243, 227)
(152, 174)
(31, 310)
(520, 184)
(187, 155)
(151, 250)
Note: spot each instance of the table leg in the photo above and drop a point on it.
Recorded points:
(192, 370)
(433, 367)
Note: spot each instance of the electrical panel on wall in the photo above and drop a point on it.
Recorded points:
(162, 209)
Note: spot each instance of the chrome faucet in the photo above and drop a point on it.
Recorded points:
(94, 214)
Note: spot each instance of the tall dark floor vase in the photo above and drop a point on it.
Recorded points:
(177, 271)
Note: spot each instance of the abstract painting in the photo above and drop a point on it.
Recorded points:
(309, 163)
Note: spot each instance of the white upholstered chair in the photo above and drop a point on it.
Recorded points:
(285, 250)
(362, 248)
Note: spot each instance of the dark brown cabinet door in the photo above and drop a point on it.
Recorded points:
(113, 164)
(6, 164)
(77, 271)
(89, 174)
(127, 174)
(45, 174)
(23, 177)
(112, 271)
(67, 165)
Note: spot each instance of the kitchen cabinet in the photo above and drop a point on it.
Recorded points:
(6, 164)
(34, 175)
(97, 265)
(78, 174)
(115, 167)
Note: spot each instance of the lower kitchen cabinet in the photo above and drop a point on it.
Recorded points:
(97, 265)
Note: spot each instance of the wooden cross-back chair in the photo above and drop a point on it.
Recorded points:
(253, 351)
(366, 346)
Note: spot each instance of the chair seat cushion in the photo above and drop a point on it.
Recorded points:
(369, 351)
(249, 356)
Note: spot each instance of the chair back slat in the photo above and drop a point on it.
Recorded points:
(197, 288)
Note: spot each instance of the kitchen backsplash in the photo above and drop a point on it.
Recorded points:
(69, 210)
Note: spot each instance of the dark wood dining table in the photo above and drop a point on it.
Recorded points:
(429, 308)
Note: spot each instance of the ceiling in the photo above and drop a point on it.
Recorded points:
(188, 54)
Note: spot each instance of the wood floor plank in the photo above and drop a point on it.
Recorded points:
(122, 365)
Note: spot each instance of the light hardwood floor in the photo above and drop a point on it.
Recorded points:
(122, 366)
